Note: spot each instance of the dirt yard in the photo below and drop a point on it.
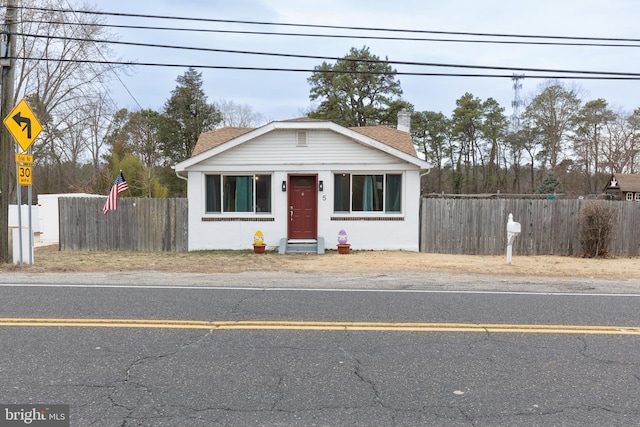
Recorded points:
(49, 259)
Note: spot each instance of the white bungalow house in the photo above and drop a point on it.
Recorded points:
(301, 182)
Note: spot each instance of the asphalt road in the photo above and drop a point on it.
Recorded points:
(429, 352)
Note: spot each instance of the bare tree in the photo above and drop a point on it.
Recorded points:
(60, 86)
(98, 113)
(142, 130)
(633, 127)
(621, 143)
(238, 115)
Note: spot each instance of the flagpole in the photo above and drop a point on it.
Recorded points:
(128, 189)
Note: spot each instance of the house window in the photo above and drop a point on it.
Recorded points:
(342, 192)
(629, 197)
(263, 193)
(367, 193)
(238, 193)
(637, 197)
(212, 194)
(394, 193)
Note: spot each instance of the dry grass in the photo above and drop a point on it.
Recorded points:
(49, 259)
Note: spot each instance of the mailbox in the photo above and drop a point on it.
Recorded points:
(513, 227)
(513, 230)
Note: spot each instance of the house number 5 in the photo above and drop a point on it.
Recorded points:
(324, 197)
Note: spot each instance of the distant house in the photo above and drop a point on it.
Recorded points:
(624, 186)
(301, 182)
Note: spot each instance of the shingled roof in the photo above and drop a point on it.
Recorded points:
(209, 140)
(392, 137)
(395, 138)
(626, 182)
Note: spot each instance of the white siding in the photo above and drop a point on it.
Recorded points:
(363, 235)
(280, 148)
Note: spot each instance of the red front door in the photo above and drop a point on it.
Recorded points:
(303, 207)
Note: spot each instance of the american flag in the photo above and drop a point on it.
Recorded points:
(118, 187)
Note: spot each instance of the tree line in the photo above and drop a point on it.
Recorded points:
(560, 142)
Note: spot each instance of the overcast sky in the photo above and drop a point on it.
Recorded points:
(282, 95)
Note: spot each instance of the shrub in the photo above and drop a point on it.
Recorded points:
(595, 227)
(549, 185)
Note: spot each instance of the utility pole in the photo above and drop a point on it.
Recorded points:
(7, 148)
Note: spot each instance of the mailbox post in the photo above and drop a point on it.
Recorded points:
(513, 229)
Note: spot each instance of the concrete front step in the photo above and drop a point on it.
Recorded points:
(302, 246)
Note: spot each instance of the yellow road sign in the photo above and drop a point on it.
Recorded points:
(24, 158)
(24, 175)
(23, 125)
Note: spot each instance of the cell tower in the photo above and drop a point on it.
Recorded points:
(517, 102)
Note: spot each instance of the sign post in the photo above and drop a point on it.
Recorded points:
(24, 127)
(513, 230)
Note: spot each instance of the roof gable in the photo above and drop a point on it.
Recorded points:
(394, 138)
(624, 182)
(389, 140)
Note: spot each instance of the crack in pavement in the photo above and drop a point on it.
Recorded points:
(128, 394)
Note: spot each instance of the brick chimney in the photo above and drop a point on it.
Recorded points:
(404, 121)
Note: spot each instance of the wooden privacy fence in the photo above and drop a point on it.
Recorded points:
(450, 226)
(549, 227)
(137, 225)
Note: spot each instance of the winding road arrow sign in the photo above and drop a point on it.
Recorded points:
(20, 120)
(23, 125)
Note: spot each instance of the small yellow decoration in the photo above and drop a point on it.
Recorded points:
(258, 238)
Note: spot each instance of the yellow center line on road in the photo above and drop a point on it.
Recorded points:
(320, 326)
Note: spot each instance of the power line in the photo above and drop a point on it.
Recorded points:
(110, 69)
(321, 26)
(363, 37)
(596, 74)
(306, 70)
(316, 57)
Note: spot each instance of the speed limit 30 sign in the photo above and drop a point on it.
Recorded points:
(24, 175)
